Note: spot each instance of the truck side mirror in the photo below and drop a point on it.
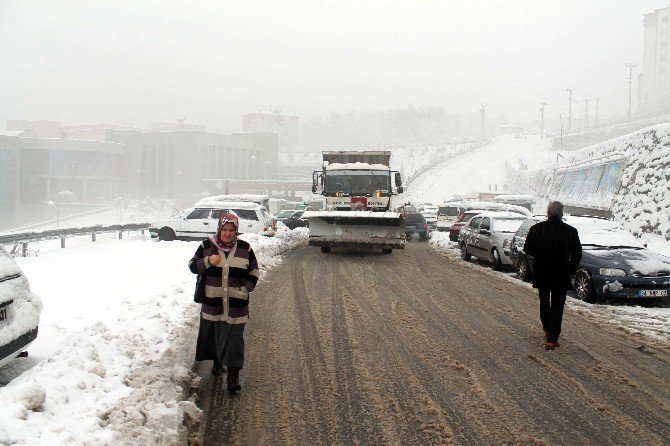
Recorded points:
(313, 188)
(398, 179)
(400, 189)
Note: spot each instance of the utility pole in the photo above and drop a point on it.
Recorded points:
(586, 113)
(570, 90)
(542, 104)
(630, 86)
(483, 111)
(560, 119)
(596, 122)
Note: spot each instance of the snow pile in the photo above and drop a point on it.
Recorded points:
(642, 202)
(126, 378)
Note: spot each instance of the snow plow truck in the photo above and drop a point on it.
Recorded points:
(357, 187)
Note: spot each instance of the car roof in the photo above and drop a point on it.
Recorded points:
(228, 205)
(505, 215)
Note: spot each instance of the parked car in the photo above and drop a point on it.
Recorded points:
(295, 220)
(486, 233)
(415, 224)
(19, 310)
(461, 221)
(522, 263)
(201, 221)
(286, 213)
(614, 263)
(446, 216)
(482, 206)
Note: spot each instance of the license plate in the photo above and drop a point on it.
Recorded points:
(4, 314)
(652, 293)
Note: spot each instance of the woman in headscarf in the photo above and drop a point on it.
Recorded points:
(231, 272)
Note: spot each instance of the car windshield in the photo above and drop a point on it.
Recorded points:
(356, 182)
(507, 224)
(285, 214)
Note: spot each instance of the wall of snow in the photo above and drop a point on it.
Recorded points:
(642, 202)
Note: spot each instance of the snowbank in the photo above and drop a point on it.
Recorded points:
(125, 379)
(643, 199)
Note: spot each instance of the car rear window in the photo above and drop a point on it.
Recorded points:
(415, 218)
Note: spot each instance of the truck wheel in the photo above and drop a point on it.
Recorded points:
(387, 250)
(325, 249)
(166, 234)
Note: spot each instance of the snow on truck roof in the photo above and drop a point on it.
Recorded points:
(356, 166)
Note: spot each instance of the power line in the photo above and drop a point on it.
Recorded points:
(570, 90)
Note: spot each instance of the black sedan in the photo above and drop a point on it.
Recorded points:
(295, 220)
(614, 263)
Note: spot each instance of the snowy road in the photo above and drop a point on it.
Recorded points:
(468, 173)
(418, 348)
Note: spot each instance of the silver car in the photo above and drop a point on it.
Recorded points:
(487, 234)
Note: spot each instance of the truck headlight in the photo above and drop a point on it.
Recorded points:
(612, 272)
(378, 194)
(338, 194)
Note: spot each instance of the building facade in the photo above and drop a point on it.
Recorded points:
(654, 82)
(42, 161)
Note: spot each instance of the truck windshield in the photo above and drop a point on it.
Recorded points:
(356, 182)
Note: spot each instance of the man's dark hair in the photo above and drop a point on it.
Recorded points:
(555, 209)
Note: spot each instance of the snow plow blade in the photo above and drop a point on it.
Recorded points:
(357, 229)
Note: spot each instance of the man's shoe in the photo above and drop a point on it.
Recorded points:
(550, 345)
(218, 371)
(557, 344)
(234, 385)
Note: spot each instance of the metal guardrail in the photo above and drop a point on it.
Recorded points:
(23, 238)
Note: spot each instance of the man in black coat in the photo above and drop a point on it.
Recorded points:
(556, 251)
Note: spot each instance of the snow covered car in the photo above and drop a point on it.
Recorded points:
(446, 216)
(295, 220)
(486, 235)
(614, 263)
(19, 310)
(430, 214)
(201, 221)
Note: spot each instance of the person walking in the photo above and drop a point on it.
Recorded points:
(230, 272)
(556, 251)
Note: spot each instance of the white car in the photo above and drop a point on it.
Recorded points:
(201, 221)
(487, 235)
(19, 310)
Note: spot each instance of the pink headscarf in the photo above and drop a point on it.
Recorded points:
(216, 240)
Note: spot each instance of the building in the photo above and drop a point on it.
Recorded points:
(274, 121)
(43, 161)
(654, 82)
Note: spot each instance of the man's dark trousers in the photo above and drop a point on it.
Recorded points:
(552, 302)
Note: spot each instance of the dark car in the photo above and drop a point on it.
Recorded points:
(614, 263)
(295, 220)
(415, 224)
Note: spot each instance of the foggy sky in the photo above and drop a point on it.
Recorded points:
(137, 62)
